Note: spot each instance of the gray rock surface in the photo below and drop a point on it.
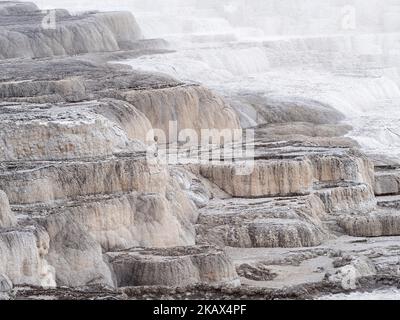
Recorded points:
(344, 197)
(74, 254)
(85, 205)
(5, 284)
(173, 266)
(247, 223)
(11, 8)
(7, 218)
(192, 107)
(282, 110)
(27, 32)
(24, 261)
(289, 170)
(387, 181)
(375, 224)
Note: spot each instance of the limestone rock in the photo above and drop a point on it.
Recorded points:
(389, 201)
(26, 36)
(7, 218)
(288, 170)
(127, 220)
(76, 257)
(192, 186)
(381, 222)
(302, 129)
(42, 91)
(10, 8)
(269, 178)
(260, 109)
(96, 209)
(323, 135)
(257, 272)
(25, 251)
(179, 266)
(343, 165)
(5, 284)
(57, 132)
(387, 181)
(385, 260)
(74, 79)
(246, 223)
(342, 197)
(192, 107)
(33, 182)
(153, 100)
(134, 123)
(349, 274)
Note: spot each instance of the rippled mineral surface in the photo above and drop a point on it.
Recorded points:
(109, 189)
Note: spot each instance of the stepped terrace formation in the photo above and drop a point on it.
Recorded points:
(88, 209)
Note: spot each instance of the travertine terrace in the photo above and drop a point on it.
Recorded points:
(84, 207)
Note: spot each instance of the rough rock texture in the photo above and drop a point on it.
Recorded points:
(268, 109)
(69, 199)
(87, 202)
(289, 171)
(324, 135)
(57, 132)
(153, 99)
(73, 79)
(356, 267)
(124, 220)
(26, 33)
(380, 221)
(55, 180)
(86, 175)
(197, 191)
(345, 165)
(9, 8)
(259, 272)
(389, 201)
(74, 254)
(5, 283)
(84, 178)
(304, 129)
(375, 224)
(269, 178)
(282, 222)
(192, 107)
(24, 251)
(7, 218)
(387, 181)
(134, 123)
(344, 197)
(172, 267)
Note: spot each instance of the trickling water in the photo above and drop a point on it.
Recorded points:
(345, 54)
